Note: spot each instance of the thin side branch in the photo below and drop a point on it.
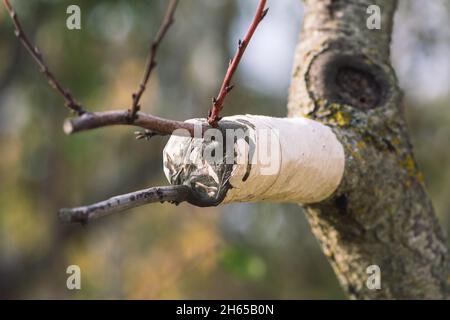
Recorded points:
(173, 194)
(37, 56)
(213, 116)
(155, 125)
(151, 62)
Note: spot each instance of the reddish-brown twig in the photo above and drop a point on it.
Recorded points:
(226, 87)
(151, 62)
(37, 56)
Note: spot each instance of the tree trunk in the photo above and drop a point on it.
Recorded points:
(380, 214)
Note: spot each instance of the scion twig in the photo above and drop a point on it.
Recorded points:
(151, 62)
(217, 102)
(37, 56)
(86, 120)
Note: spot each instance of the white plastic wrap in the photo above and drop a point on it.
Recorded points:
(283, 159)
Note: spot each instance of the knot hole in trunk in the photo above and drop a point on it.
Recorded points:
(348, 79)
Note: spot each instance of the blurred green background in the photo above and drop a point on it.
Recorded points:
(162, 251)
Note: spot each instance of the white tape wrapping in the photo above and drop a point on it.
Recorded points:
(282, 160)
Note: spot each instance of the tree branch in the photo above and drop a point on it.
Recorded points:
(151, 62)
(37, 56)
(213, 116)
(153, 125)
(156, 125)
(173, 194)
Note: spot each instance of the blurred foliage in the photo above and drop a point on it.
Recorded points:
(163, 251)
(243, 263)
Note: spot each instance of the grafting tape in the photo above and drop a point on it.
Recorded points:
(258, 158)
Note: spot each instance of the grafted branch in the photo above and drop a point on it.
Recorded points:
(86, 120)
(173, 194)
(156, 125)
(226, 87)
(151, 62)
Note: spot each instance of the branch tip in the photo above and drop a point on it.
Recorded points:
(151, 62)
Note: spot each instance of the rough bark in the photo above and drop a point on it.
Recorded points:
(380, 214)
